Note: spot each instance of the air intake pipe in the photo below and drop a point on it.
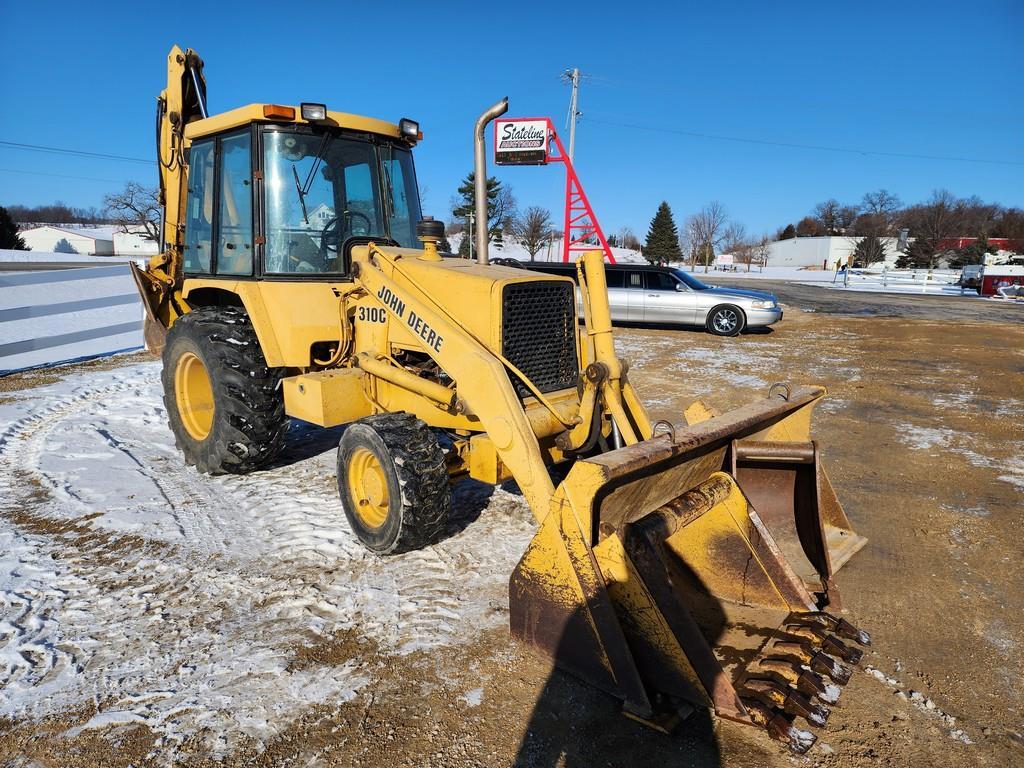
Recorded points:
(480, 176)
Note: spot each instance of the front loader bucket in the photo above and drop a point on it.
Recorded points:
(656, 577)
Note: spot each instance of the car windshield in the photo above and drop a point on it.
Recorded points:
(690, 281)
(324, 188)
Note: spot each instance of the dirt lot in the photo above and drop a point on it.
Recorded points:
(151, 616)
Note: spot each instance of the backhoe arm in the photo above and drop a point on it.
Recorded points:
(181, 102)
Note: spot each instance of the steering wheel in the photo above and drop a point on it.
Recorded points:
(330, 236)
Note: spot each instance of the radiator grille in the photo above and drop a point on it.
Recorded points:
(538, 334)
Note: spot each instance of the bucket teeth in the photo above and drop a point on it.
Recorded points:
(839, 626)
(788, 700)
(835, 647)
(819, 661)
(804, 680)
(779, 726)
(824, 664)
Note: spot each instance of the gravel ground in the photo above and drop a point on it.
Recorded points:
(924, 441)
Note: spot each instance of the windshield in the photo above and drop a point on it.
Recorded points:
(322, 189)
(689, 280)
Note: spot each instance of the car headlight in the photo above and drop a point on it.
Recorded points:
(763, 304)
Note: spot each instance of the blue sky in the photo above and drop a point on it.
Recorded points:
(942, 79)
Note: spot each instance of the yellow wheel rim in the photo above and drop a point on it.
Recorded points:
(194, 394)
(368, 486)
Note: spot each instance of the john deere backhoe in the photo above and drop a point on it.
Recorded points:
(676, 565)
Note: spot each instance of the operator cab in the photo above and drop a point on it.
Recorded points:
(276, 199)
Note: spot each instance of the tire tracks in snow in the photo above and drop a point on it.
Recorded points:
(178, 600)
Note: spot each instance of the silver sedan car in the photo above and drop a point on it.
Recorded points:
(643, 294)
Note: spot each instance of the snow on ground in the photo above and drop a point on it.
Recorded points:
(56, 316)
(130, 582)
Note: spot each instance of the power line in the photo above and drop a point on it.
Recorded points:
(75, 152)
(795, 145)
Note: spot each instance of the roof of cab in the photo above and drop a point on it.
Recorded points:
(253, 113)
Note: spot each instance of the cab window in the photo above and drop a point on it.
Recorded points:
(404, 206)
(199, 213)
(234, 225)
(320, 189)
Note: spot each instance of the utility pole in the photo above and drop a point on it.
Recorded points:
(573, 76)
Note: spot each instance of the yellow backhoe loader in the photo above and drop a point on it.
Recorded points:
(676, 565)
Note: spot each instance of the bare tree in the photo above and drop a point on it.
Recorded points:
(762, 252)
(135, 208)
(533, 229)
(940, 218)
(629, 239)
(734, 237)
(706, 230)
(882, 202)
(809, 226)
(828, 216)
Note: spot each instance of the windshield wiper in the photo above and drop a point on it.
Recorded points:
(389, 195)
(302, 195)
(303, 189)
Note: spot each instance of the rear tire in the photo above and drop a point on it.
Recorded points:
(393, 483)
(223, 403)
(726, 320)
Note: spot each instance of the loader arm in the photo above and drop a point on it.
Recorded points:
(482, 382)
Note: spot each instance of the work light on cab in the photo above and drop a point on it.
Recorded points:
(313, 112)
(409, 129)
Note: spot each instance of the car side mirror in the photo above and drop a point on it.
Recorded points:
(680, 287)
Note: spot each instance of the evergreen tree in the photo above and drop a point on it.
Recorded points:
(788, 232)
(63, 246)
(9, 237)
(500, 209)
(870, 250)
(663, 238)
(920, 253)
(972, 253)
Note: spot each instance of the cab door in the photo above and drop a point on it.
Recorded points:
(668, 300)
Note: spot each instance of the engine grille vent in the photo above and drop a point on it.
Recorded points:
(538, 334)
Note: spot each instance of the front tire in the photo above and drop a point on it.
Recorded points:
(726, 320)
(393, 483)
(223, 403)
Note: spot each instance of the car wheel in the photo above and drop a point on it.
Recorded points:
(726, 320)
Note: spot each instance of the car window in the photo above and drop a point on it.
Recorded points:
(660, 281)
(614, 277)
(634, 280)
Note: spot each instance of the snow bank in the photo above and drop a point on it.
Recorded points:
(54, 316)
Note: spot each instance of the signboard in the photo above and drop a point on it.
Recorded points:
(521, 141)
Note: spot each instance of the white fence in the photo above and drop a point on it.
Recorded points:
(62, 315)
(901, 280)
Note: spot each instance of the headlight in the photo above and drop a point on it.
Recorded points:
(763, 304)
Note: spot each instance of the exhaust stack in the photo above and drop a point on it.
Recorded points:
(480, 176)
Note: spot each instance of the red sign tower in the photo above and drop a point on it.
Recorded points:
(534, 141)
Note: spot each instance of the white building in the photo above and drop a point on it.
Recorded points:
(821, 252)
(132, 243)
(88, 241)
